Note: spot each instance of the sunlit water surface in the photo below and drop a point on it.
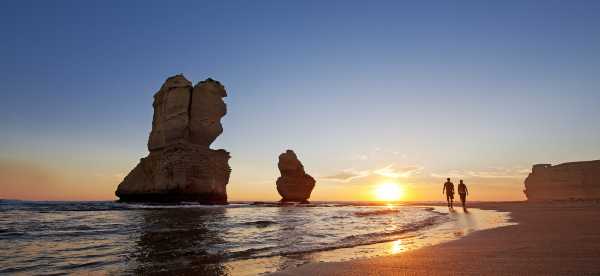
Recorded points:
(237, 239)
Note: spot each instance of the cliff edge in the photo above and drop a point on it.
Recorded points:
(573, 180)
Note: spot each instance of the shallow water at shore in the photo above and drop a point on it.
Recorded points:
(237, 239)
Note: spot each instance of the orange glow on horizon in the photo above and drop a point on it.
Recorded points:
(389, 192)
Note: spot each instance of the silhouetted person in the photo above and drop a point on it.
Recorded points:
(463, 192)
(449, 190)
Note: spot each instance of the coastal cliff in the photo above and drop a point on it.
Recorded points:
(181, 166)
(574, 180)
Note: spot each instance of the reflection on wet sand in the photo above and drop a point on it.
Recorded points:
(457, 224)
(84, 238)
(176, 241)
(454, 225)
(288, 233)
(397, 247)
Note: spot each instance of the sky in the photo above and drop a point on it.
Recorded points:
(364, 92)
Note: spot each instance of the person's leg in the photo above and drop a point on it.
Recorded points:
(463, 199)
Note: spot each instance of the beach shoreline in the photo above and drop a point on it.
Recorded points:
(236, 239)
(559, 238)
(448, 226)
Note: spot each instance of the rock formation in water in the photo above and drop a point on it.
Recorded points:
(574, 180)
(294, 184)
(181, 166)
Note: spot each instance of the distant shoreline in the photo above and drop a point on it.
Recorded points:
(432, 202)
(559, 238)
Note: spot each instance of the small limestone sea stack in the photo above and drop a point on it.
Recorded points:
(294, 185)
(181, 166)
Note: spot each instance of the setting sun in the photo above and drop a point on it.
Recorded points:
(389, 192)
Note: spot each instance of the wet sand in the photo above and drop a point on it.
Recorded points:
(549, 239)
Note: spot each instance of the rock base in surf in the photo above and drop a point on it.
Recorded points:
(294, 185)
(181, 166)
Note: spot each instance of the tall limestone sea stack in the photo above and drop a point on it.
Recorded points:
(294, 185)
(574, 180)
(181, 166)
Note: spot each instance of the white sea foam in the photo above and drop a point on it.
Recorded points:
(72, 237)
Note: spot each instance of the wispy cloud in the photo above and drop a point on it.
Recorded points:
(392, 172)
(346, 175)
(378, 154)
(494, 172)
(118, 176)
(389, 171)
(361, 157)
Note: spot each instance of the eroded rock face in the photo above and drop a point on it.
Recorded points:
(574, 180)
(294, 184)
(181, 166)
(209, 108)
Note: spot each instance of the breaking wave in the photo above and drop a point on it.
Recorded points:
(119, 237)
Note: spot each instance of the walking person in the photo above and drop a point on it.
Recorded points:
(463, 192)
(449, 190)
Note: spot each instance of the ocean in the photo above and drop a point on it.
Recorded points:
(236, 239)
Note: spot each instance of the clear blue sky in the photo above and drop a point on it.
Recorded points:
(474, 89)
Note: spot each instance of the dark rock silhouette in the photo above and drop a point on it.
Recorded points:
(181, 166)
(574, 180)
(294, 184)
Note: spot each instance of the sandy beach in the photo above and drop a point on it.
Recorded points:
(549, 239)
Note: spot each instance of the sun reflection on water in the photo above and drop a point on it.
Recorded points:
(397, 247)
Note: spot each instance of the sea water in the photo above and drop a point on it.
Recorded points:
(235, 239)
